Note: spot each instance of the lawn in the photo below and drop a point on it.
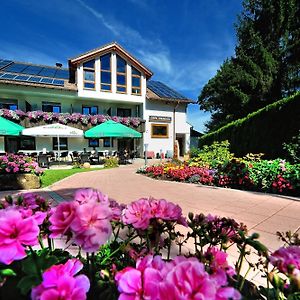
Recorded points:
(51, 176)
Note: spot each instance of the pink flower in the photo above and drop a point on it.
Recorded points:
(15, 234)
(218, 260)
(286, 259)
(90, 195)
(61, 218)
(91, 225)
(138, 214)
(60, 283)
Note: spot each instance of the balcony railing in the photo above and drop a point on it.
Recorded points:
(77, 120)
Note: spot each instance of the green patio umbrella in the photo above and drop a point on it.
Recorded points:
(112, 129)
(9, 128)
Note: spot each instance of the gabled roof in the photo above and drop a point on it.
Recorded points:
(105, 49)
(157, 90)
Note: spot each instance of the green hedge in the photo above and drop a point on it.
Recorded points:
(262, 131)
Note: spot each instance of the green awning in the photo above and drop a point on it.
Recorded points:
(9, 128)
(112, 129)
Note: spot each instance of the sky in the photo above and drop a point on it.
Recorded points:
(183, 42)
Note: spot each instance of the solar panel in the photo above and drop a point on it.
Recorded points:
(16, 68)
(22, 77)
(58, 82)
(34, 79)
(47, 72)
(163, 90)
(4, 63)
(32, 70)
(8, 76)
(47, 80)
(64, 74)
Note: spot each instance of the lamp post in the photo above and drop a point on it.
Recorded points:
(146, 150)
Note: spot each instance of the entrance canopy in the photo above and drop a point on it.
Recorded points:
(53, 130)
(9, 128)
(112, 129)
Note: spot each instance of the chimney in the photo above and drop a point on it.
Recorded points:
(58, 65)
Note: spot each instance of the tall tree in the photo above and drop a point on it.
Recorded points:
(265, 66)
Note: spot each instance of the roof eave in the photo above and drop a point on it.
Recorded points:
(189, 101)
(105, 49)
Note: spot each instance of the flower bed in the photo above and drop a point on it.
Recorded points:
(124, 252)
(19, 172)
(65, 118)
(276, 176)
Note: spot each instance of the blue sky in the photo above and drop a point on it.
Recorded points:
(182, 41)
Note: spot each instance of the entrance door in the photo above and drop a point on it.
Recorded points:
(125, 144)
(181, 141)
(11, 144)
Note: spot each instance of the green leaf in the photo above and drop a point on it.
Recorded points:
(7, 273)
(27, 282)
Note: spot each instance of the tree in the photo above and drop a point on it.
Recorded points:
(265, 66)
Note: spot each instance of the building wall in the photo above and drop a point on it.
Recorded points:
(161, 108)
(2, 144)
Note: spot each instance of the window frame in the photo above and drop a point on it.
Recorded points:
(106, 71)
(56, 104)
(92, 146)
(90, 109)
(22, 138)
(88, 69)
(60, 148)
(119, 109)
(7, 105)
(157, 135)
(107, 139)
(121, 73)
(134, 86)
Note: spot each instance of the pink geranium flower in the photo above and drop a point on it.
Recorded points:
(91, 225)
(16, 233)
(138, 214)
(286, 259)
(60, 283)
(61, 218)
(89, 195)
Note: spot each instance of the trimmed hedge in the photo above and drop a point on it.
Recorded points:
(263, 131)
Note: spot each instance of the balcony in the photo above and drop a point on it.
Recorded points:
(77, 120)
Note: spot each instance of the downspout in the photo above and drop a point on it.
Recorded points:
(174, 132)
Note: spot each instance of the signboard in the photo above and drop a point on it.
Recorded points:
(160, 119)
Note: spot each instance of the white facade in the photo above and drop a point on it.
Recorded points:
(168, 115)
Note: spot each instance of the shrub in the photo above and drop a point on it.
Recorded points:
(293, 149)
(111, 162)
(212, 155)
(262, 131)
(13, 164)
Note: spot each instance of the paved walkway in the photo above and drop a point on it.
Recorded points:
(262, 213)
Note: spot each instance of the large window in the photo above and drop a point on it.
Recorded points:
(27, 143)
(89, 74)
(90, 110)
(51, 107)
(159, 131)
(107, 142)
(121, 75)
(63, 143)
(105, 75)
(124, 112)
(7, 105)
(135, 81)
(93, 143)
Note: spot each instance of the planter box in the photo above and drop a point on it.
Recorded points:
(19, 182)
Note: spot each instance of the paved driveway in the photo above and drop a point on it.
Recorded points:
(262, 213)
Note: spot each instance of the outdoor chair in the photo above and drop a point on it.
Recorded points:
(51, 155)
(43, 161)
(75, 156)
(64, 155)
(84, 157)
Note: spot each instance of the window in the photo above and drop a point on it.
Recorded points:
(135, 81)
(105, 76)
(11, 106)
(27, 143)
(121, 75)
(93, 143)
(51, 107)
(107, 143)
(159, 131)
(63, 143)
(90, 110)
(89, 74)
(124, 112)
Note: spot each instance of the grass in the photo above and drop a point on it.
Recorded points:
(51, 176)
